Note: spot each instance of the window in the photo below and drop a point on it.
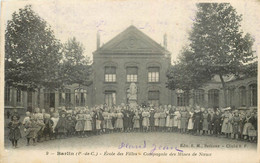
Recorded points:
(49, 98)
(153, 74)
(182, 98)
(64, 97)
(7, 95)
(46, 98)
(131, 74)
(153, 98)
(110, 74)
(29, 97)
(80, 96)
(231, 93)
(110, 98)
(213, 98)
(242, 96)
(253, 94)
(61, 98)
(199, 97)
(29, 101)
(67, 96)
(18, 96)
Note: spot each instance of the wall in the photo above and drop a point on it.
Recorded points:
(120, 86)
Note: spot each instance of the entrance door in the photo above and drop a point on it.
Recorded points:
(29, 101)
(52, 100)
(49, 100)
(213, 98)
(110, 98)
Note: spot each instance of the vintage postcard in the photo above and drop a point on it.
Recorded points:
(130, 80)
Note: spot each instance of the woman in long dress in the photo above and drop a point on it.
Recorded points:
(171, 113)
(224, 128)
(211, 118)
(205, 122)
(80, 123)
(247, 125)
(175, 119)
(88, 124)
(162, 120)
(145, 123)
(109, 120)
(190, 121)
(136, 120)
(156, 119)
(235, 124)
(168, 124)
(105, 124)
(197, 121)
(179, 120)
(119, 120)
(230, 127)
(184, 120)
(114, 117)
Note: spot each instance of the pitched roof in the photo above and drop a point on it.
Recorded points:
(132, 40)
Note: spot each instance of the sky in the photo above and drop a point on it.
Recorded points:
(82, 19)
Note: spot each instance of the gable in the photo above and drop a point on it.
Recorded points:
(132, 40)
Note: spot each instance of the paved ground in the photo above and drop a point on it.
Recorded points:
(178, 140)
(181, 141)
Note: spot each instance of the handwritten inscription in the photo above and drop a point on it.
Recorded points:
(154, 148)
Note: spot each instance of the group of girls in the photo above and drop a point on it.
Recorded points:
(42, 125)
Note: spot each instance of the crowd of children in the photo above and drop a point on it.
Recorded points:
(83, 122)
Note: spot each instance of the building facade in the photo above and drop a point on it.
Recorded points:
(240, 94)
(131, 57)
(72, 96)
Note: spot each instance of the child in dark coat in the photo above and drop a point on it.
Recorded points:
(31, 130)
(14, 133)
(48, 130)
(197, 121)
(217, 123)
(70, 125)
(61, 126)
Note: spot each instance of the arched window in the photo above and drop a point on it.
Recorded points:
(110, 98)
(242, 96)
(49, 98)
(64, 97)
(213, 98)
(182, 98)
(110, 74)
(153, 74)
(80, 96)
(68, 95)
(199, 97)
(253, 94)
(18, 96)
(61, 98)
(154, 98)
(131, 74)
(231, 93)
(7, 95)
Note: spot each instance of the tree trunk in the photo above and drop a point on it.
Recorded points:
(39, 97)
(224, 89)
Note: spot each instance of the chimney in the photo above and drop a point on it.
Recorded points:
(165, 41)
(98, 40)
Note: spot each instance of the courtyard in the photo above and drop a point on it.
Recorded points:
(151, 139)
